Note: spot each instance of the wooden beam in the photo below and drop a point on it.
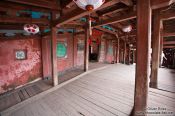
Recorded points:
(124, 53)
(168, 42)
(112, 10)
(5, 5)
(168, 46)
(155, 4)
(116, 19)
(23, 20)
(143, 57)
(128, 36)
(39, 3)
(18, 37)
(53, 53)
(86, 50)
(118, 50)
(170, 14)
(78, 13)
(15, 26)
(129, 54)
(53, 56)
(106, 30)
(127, 2)
(155, 50)
(167, 34)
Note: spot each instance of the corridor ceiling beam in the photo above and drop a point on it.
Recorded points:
(155, 4)
(52, 4)
(169, 46)
(127, 2)
(168, 42)
(15, 6)
(78, 13)
(22, 20)
(167, 34)
(116, 19)
(170, 14)
(106, 30)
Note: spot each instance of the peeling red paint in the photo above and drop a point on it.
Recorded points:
(17, 72)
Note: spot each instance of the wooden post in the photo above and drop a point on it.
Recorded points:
(124, 53)
(53, 55)
(161, 46)
(142, 61)
(133, 56)
(86, 50)
(155, 50)
(53, 52)
(118, 48)
(129, 52)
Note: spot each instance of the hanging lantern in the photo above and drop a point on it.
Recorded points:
(127, 28)
(31, 28)
(89, 5)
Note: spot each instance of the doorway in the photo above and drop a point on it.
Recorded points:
(93, 51)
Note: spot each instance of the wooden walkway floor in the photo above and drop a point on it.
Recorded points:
(14, 97)
(166, 79)
(106, 92)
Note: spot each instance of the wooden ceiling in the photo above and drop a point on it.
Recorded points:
(114, 13)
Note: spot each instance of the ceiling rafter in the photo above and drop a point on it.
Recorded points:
(155, 4)
(6, 6)
(39, 3)
(22, 20)
(127, 2)
(168, 34)
(117, 19)
(78, 13)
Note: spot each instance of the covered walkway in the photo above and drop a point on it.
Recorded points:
(56, 41)
(105, 92)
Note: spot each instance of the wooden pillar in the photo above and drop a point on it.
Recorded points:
(118, 48)
(155, 50)
(129, 52)
(133, 56)
(53, 52)
(86, 50)
(142, 57)
(53, 55)
(161, 47)
(124, 53)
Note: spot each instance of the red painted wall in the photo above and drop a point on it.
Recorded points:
(109, 57)
(102, 51)
(79, 55)
(73, 59)
(17, 72)
(66, 63)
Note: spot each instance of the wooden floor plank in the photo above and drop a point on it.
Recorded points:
(97, 98)
(87, 104)
(106, 92)
(80, 105)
